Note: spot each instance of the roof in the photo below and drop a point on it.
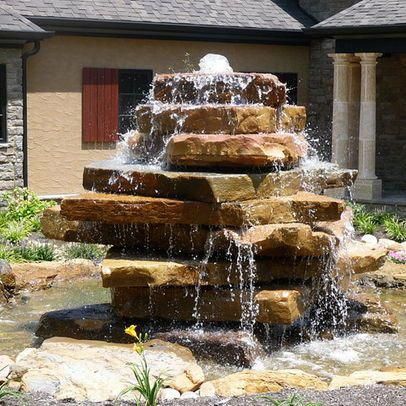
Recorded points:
(367, 16)
(277, 15)
(15, 26)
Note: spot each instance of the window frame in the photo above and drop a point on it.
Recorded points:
(148, 72)
(3, 104)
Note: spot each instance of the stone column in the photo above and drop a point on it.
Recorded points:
(340, 133)
(354, 89)
(367, 186)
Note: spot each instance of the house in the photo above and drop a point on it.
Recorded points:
(50, 51)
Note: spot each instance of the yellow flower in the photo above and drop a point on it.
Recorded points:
(138, 348)
(131, 331)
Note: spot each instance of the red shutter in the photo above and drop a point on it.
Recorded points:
(99, 105)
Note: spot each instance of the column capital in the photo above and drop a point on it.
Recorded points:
(368, 57)
(343, 59)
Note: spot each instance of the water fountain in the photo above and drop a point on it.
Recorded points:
(212, 215)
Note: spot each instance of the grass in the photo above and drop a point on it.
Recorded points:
(85, 251)
(371, 221)
(293, 400)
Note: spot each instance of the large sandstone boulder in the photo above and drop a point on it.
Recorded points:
(123, 209)
(206, 119)
(42, 275)
(99, 371)
(198, 88)
(386, 376)
(365, 257)
(253, 382)
(279, 306)
(251, 150)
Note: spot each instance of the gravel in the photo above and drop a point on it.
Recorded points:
(377, 395)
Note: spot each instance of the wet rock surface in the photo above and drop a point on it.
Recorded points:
(122, 209)
(224, 88)
(113, 177)
(277, 306)
(238, 151)
(367, 313)
(206, 119)
(224, 346)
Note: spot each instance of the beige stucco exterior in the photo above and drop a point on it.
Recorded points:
(56, 155)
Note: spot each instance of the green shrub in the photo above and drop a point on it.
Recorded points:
(15, 231)
(395, 228)
(22, 203)
(365, 222)
(85, 251)
(36, 253)
(8, 254)
(22, 214)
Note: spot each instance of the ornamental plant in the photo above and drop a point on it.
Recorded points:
(398, 257)
(145, 386)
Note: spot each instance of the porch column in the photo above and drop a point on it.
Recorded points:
(340, 132)
(367, 186)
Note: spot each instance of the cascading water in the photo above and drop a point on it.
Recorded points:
(213, 191)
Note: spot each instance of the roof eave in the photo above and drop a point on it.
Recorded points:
(170, 31)
(355, 30)
(25, 35)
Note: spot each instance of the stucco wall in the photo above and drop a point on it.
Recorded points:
(11, 152)
(56, 156)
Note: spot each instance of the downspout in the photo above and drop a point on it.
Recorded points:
(35, 49)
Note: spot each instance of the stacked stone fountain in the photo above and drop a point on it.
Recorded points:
(211, 216)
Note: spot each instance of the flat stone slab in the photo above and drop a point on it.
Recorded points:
(124, 209)
(120, 270)
(198, 88)
(205, 119)
(236, 151)
(283, 306)
(147, 180)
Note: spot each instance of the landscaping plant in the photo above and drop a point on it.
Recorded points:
(293, 400)
(85, 251)
(369, 222)
(21, 215)
(398, 257)
(147, 387)
(5, 391)
(395, 229)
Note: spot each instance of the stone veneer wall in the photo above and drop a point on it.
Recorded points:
(391, 123)
(11, 153)
(320, 98)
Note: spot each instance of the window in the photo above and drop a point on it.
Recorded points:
(3, 104)
(133, 90)
(291, 85)
(109, 98)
